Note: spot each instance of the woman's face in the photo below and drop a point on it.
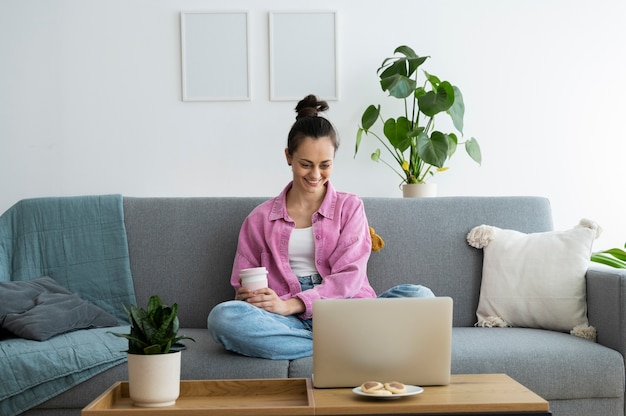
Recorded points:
(312, 164)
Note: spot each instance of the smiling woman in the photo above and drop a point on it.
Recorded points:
(310, 152)
(314, 242)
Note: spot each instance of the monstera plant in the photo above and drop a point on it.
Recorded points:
(416, 148)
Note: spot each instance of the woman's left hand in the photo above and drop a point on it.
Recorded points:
(268, 300)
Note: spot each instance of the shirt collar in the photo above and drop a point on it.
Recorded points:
(327, 209)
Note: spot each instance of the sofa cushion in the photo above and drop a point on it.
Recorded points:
(552, 364)
(534, 280)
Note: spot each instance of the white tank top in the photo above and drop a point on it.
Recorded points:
(302, 252)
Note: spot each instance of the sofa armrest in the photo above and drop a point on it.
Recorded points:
(606, 305)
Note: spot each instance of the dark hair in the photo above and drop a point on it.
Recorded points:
(310, 124)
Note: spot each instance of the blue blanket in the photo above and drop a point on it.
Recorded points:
(81, 243)
(32, 372)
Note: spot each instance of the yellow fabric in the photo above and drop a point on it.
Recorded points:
(377, 241)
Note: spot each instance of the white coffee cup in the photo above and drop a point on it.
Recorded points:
(254, 278)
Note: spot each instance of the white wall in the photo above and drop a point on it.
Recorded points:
(90, 100)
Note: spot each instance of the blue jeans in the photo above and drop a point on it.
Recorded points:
(249, 330)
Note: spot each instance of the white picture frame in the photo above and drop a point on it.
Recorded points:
(303, 55)
(215, 56)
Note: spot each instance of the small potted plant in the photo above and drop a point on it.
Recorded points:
(411, 139)
(153, 367)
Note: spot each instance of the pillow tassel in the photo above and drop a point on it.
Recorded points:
(481, 236)
(584, 331)
(592, 225)
(492, 322)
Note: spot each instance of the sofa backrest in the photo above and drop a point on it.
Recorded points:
(183, 248)
(425, 242)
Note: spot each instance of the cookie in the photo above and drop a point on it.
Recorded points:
(374, 387)
(395, 387)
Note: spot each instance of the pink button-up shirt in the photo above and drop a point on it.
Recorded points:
(342, 248)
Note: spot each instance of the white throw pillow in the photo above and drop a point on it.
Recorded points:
(535, 280)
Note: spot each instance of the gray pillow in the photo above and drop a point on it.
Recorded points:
(39, 309)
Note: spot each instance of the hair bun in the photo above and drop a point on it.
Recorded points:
(310, 106)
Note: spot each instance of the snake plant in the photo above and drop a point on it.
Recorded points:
(153, 330)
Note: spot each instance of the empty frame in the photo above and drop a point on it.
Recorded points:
(303, 55)
(214, 48)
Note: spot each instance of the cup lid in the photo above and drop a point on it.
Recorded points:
(252, 271)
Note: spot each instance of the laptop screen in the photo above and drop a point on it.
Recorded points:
(391, 339)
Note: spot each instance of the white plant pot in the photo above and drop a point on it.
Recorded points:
(154, 380)
(419, 190)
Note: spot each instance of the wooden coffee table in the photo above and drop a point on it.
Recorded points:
(471, 394)
(467, 394)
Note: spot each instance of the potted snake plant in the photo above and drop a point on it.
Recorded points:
(153, 366)
(416, 149)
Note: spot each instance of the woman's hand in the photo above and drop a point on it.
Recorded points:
(268, 300)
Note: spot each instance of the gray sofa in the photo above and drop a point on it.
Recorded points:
(183, 248)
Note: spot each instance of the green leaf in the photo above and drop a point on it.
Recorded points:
(614, 257)
(432, 80)
(376, 155)
(473, 150)
(154, 304)
(434, 149)
(457, 111)
(370, 115)
(405, 66)
(413, 61)
(453, 142)
(168, 323)
(608, 260)
(399, 86)
(415, 133)
(397, 132)
(616, 252)
(433, 102)
(406, 51)
(359, 136)
(152, 349)
(419, 91)
(396, 67)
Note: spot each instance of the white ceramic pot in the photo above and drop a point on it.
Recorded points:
(154, 380)
(419, 190)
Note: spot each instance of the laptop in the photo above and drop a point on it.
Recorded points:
(384, 339)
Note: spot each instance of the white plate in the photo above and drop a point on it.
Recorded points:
(410, 391)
